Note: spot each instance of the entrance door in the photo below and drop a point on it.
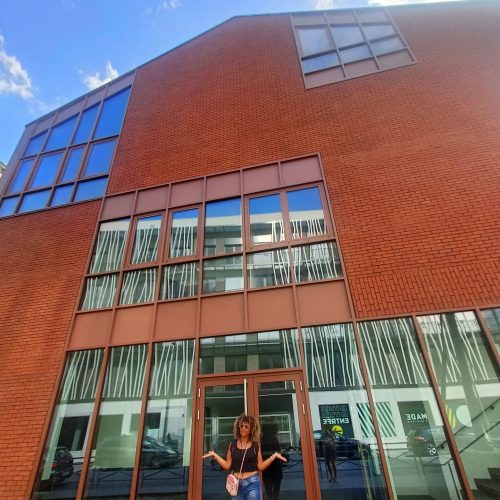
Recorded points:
(278, 402)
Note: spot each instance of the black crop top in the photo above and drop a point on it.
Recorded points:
(250, 463)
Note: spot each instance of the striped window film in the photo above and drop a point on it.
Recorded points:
(384, 416)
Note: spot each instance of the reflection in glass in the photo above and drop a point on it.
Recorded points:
(99, 292)
(223, 227)
(21, 176)
(306, 213)
(223, 275)
(313, 40)
(100, 158)
(62, 458)
(347, 35)
(180, 280)
(387, 45)
(316, 262)
(8, 206)
(268, 268)
(35, 144)
(252, 351)
(147, 234)
(418, 456)
(468, 380)
(266, 219)
(355, 53)
(86, 124)
(62, 195)
(166, 442)
(378, 30)
(492, 318)
(184, 233)
(112, 113)
(138, 287)
(320, 62)
(60, 134)
(108, 251)
(89, 190)
(72, 164)
(46, 170)
(115, 436)
(34, 201)
(346, 448)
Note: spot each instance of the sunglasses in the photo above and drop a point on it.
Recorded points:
(244, 426)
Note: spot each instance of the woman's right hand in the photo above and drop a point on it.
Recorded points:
(211, 453)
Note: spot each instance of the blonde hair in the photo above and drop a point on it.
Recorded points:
(254, 427)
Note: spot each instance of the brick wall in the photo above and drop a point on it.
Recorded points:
(42, 260)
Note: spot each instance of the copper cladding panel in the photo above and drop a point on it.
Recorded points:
(268, 309)
(223, 186)
(186, 193)
(301, 171)
(222, 314)
(118, 206)
(321, 303)
(132, 325)
(150, 200)
(261, 179)
(91, 330)
(176, 320)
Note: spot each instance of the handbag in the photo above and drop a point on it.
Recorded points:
(232, 482)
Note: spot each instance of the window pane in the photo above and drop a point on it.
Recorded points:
(306, 213)
(355, 53)
(72, 164)
(60, 135)
(314, 40)
(60, 466)
(62, 195)
(146, 239)
(91, 189)
(408, 414)
(316, 262)
(21, 176)
(223, 275)
(108, 252)
(347, 35)
(138, 287)
(341, 418)
(47, 170)
(8, 206)
(268, 268)
(492, 317)
(467, 376)
(112, 113)
(253, 351)
(166, 443)
(378, 30)
(99, 292)
(34, 201)
(266, 219)
(180, 281)
(388, 45)
(184, 233)
(223, 227)
(100, 158)
(115, 438)
(320, 62)
(86, 124)
(35, 144)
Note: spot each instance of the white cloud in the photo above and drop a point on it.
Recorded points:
(92, 81)
(170, 4)
(14, 79)
(322, 4)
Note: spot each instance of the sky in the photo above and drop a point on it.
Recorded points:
(53, 51)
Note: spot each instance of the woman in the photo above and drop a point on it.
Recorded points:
(246, 434)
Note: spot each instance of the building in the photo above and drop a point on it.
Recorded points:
(291, 215)
(2, 168)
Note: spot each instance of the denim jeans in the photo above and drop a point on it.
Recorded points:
(249, 489)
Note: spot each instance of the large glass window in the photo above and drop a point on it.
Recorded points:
(316, 262)
(86, 125)
(223, 227)
(347, 35)
(417, 451)
(112, 114)
(346, 448)
(252, 351)
(223, 275)
(8, 206)
(34, 201)
(99, 292)
(21, 176)
(266, 219)
(147, 235)
(62, 195)
(314, 40)
(99, 159)
(72, 164)
(35, 144)
(59, 471)
(468, 380)
(180, 280)
(47, 170)
(89, 190)
(166, 443)
(60, 135)
(110, 245)
(305, 209)
(138, 286)
(492, 317)
(268, 268)
(115, 437)
(184, 233)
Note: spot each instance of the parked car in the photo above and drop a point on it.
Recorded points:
(424, 441)
(61, 468)
(157, 454)
(345, 447)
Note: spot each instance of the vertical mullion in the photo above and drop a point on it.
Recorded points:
(442, 410)
(487, 334)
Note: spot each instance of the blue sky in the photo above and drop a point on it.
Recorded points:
(52, 51)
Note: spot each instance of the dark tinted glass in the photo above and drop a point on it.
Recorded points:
(34, 201)
(47, 170)
(86, 125)
(113, 111)
(62, 195)
(91, 189)
(8, 206)
(21, 176)
(60, 135)
(35, 144)
(72, 164)
(99, 158)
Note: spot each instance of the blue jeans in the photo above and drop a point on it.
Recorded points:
(249, 489)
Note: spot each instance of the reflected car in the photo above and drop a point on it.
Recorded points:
(425, 441)
(61, 468)
(345, 447)
(157, 454)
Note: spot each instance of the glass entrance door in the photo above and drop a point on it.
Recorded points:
(278, 402)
